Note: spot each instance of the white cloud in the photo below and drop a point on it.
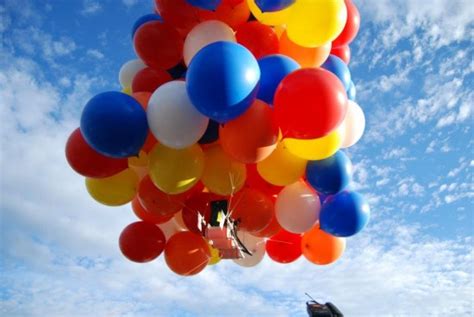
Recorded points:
(90, 7)
(94, 53)
(129, 3)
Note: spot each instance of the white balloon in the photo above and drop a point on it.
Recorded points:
(255, 245)
(129, 70)
(172, 118)
(297, 207)
(352, 128)
(204, 34)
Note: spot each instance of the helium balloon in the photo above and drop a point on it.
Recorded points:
(149, 143)
(273, 5)
(343, 52)
(250, 145)
(197, 205)
(269, 18)
(172, 118)
(351, 27)
(321, 248)
(115, 190)
(87, 162)
(258, 38)
(273, 69)
(305, 56)
(309, 103)
(353, 125)
(144, 19)
(142, 242)
(139, 164)
(337, 66)
(225, 90)
(142, 97)
(297, 207)
(128, 71)
(254, 180)
(344, 214)
(284, 247)
(158, 202)
(252, 209)
(114, 124)
(178, 13)
(231, 13)
(215, 258)
(222, 175)
(205, 4)
(149, 79)
(271, 229)
(255, 245)
(147, 216)
(187, 253)
(204, 34)
(281, 168)
(159, 45)
(175, 171)
(316, 149)
(331, 175)
(351, 92)
(212, 133)
(313, 23)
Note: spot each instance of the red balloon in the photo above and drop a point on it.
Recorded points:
(158, 202)
(199, 203)
(147, 216)
(142, 242)
(187, 253)
(254, 180)
(284, 247)
(352, 25)
(142, 97)
(309, 103)
(88, 162)
(260, 39)
(159, 45)
(148, 79)
(343, 52)
(253, 209)
(178, 13)
(228, 12)
(271, 229)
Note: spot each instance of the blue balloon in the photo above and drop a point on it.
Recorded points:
(205, 4)
(273, 5)
(273, 69)
(351, 92)
(337, 66)
(331, 175)
(211, 134)
(144, 19)
(222, 80)
(114, 124)
(344, 214)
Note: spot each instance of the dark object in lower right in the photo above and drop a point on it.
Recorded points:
(316, 309)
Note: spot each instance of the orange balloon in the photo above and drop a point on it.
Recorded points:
(147, 216)
(187, 253)
(305, 56)
(251, 137)
(320, 247)
(142, 97)
(228, 12)
(158, 202)
(270, 230)
(253, 209)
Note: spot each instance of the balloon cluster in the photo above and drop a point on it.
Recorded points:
(250, 101)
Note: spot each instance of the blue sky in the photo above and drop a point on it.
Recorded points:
(414, 72)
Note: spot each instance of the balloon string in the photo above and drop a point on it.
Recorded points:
(206, 260)
(279, 241)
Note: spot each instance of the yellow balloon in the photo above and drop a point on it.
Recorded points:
(269, 18)
(139, 164)
(174, 171)
(313, 23)
(115, 190)
(127, 90)
(215, 258)
(222, 174)
(315, 149)
(281, 168)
